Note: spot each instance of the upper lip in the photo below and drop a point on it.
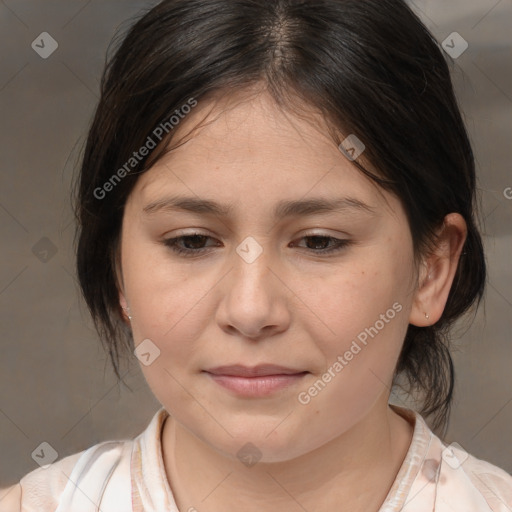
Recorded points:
(238, 370)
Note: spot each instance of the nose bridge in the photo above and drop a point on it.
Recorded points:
(252, 262)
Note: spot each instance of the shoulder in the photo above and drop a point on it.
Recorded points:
(465, 474)
(49, 488)
(462, 482)
(494, 483)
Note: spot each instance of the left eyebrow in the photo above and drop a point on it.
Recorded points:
(282, 209)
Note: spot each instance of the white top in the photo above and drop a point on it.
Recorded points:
(129, 476)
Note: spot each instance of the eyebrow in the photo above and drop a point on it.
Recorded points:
(282, 209)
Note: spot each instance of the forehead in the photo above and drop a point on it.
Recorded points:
(244, 148)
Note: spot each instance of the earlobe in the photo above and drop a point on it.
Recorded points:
(125, 306)
(440, 267)
(123, 302)
(120, 285)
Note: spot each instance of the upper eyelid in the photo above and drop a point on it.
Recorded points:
(337, 239)
(206, 234)
(339, 244)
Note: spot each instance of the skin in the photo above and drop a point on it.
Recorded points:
(291, 306)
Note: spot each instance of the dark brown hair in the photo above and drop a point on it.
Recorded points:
(369, 66)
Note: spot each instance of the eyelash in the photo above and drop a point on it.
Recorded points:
(340, 244)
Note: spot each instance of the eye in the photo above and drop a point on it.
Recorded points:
(194, 244)
(323, 240)
(195, 239)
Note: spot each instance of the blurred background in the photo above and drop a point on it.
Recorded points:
(56, 384)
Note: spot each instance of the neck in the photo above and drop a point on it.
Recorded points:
(356, 469)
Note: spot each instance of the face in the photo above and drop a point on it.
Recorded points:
(323, 292)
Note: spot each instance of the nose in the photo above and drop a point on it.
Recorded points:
(255, 299)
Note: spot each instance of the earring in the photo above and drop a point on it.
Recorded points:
(426, 316)
(127, 311)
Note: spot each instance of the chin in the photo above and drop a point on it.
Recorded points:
(255, 440)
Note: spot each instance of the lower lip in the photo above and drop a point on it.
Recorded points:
(256, 386)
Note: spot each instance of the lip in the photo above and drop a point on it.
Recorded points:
(261, 370)
(256, 381)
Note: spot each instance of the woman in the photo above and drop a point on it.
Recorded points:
(276, 216)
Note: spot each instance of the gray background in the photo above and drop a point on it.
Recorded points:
(56, 384)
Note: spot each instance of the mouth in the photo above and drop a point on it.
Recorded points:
(262, 370)
(256, 381)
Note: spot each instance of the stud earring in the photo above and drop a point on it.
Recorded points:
(127, 311)
(426, 316)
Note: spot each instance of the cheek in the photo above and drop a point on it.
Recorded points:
(364, 318)
(347, 302)
(164, 295)
(167, 310)
(359, 368)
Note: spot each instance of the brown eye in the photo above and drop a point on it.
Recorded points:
(320, 243)
(193, 244)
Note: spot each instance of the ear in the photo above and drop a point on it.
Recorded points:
(123, 301)
(438, 272)
(126, 308)
(120, 286)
